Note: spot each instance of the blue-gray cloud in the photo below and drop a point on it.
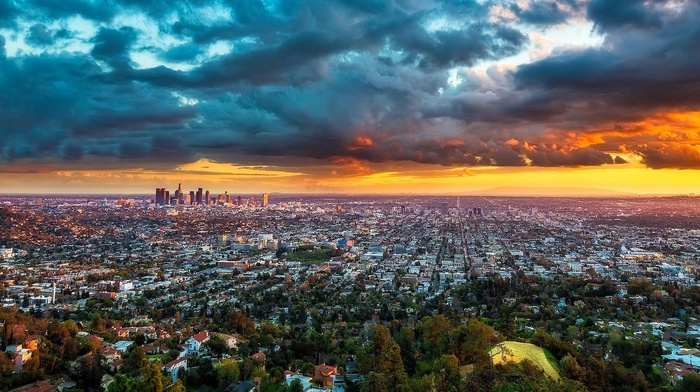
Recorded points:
(324, 79)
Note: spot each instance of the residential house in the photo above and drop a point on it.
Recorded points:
(231, 341)
(194, 344)
(22, 356)
(325, 373)
(174, 366)
(110, 354)
(259, 358)
(39, 386)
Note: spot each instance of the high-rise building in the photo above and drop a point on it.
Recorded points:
(192, 197)
(180, 194)
(265, 200)
(206, 198)
(160, 196)
(240, 201)
(198, 198)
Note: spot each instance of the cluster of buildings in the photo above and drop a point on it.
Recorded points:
(201, 197)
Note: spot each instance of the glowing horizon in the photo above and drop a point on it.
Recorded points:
(350, 97)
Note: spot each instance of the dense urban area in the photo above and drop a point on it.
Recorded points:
(348, 293)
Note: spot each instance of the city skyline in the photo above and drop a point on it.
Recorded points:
(201, 196)
(368, 97)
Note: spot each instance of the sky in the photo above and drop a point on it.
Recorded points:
(349, 96)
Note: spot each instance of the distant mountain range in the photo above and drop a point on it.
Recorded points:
(550, 192)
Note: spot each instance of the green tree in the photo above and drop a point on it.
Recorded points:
(296, 386)
(436, 332)
(88, 371)
(690, 383)
(571, 368)
(153, 378)
(176, 387)
(469, 342)
(228, 372)
(241, 323)
(216, 345)
(124, 383)
(133, 361)
(405, 338)
(381, 362)
(6, 365)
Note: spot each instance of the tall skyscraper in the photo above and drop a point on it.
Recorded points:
(180, 194)
(198, 198)
(192, 197)
(160, 196)
(265, 200)
(206, 198)
(240, 201)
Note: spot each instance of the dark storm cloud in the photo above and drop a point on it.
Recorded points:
(610, 14)
(444, 49)
(80, 113)
(100, 10)
(323, 79)
(541, 13)
(636, 72)
(112, 46)
(665, 156)
(8, 11)
(619, 160)
(548, 156)
(71, 152)
(183, 53)
(40, 35)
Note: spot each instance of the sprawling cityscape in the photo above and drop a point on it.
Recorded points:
(348, 293)
(349, 195)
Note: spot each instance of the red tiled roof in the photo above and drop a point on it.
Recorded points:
(201, 337)
(174, 363)
(39, 386)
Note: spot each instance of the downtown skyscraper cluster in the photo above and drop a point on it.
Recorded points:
(201, 197)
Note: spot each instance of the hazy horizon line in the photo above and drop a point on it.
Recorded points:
(497, 192)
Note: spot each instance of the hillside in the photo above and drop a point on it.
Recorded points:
(517, 352)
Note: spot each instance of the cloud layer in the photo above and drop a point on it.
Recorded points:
(153, 84)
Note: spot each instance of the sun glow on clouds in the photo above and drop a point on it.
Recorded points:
(670, 127)
(630, 179)
(207, 167)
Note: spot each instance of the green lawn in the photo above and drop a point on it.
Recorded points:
(162, 357)
(310, 257)
(521, 351)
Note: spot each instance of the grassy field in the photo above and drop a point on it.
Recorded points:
(521, 351)
(310, 257)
